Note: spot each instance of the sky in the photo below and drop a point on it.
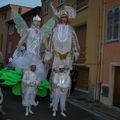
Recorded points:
(28, 3)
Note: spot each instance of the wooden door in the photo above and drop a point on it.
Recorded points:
(116, 97)
(83, 79)
(81, 34)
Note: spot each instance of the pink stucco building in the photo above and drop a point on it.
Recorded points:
(110, 62)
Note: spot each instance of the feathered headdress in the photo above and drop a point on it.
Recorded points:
(67, 11)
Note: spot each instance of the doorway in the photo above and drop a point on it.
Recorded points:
(116, 95)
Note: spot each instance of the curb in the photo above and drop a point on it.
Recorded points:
(91, 110)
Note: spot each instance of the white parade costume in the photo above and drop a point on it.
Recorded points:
(23, 56)
(30, 82)
(64, 45)
(61, 83)
(65, 48)
(31, 54)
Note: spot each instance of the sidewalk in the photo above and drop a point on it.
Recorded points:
(98, 109)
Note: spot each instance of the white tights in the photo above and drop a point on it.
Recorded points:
(28, 110)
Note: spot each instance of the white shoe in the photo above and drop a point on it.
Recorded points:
(63, 114)
(36, 103)
(31, 112)
(54, 114)
(26, 114)
(51, 105)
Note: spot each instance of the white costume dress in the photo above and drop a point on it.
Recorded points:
(29, 82)
(31, 54)
(65, 49)
(61, 83)
(64, 45)
(33, 38)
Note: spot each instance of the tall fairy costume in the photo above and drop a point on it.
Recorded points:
(28, 49)
(64, 42)
(65, 49)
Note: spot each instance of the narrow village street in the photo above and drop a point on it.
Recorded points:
(15, 111)
(69, 48)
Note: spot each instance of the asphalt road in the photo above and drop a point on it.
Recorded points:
(15, 111)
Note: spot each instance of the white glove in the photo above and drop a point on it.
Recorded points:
(10, 59)
(76, 55)
(48, 56)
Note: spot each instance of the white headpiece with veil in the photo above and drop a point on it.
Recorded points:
(68, 11)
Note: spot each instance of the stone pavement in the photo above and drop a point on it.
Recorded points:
(15, 111)
(96, 108)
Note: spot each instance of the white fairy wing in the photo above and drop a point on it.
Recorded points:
(48, 27)
(22, 28)
(20, 24)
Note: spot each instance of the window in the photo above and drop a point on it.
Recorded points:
(60, 2)
(11, 29)
(20, 10)
(80, 4)
(4, 15)
(1, 41)
(46, 8)
(113, 18)
(9, 47)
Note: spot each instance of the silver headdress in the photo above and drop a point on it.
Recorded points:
(70, 11)
(67, 11)
(63, 13)
(36, 18)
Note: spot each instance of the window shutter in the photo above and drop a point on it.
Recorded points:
(113, 19)
(110, 23)
(116, 23)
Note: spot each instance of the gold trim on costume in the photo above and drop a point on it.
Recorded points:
(62, 56)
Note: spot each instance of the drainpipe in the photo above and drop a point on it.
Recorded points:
(98, 56)
(102, 50)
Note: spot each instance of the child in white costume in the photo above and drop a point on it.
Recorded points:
(61, 83)
(30, 82)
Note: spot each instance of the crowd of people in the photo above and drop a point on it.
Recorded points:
(62, 49)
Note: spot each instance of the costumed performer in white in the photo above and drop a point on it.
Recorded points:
(64, 46)
(63, 43)
(28, 48)
(30, 82)
(61, 84)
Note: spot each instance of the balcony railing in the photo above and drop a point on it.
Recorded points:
(80, 4)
